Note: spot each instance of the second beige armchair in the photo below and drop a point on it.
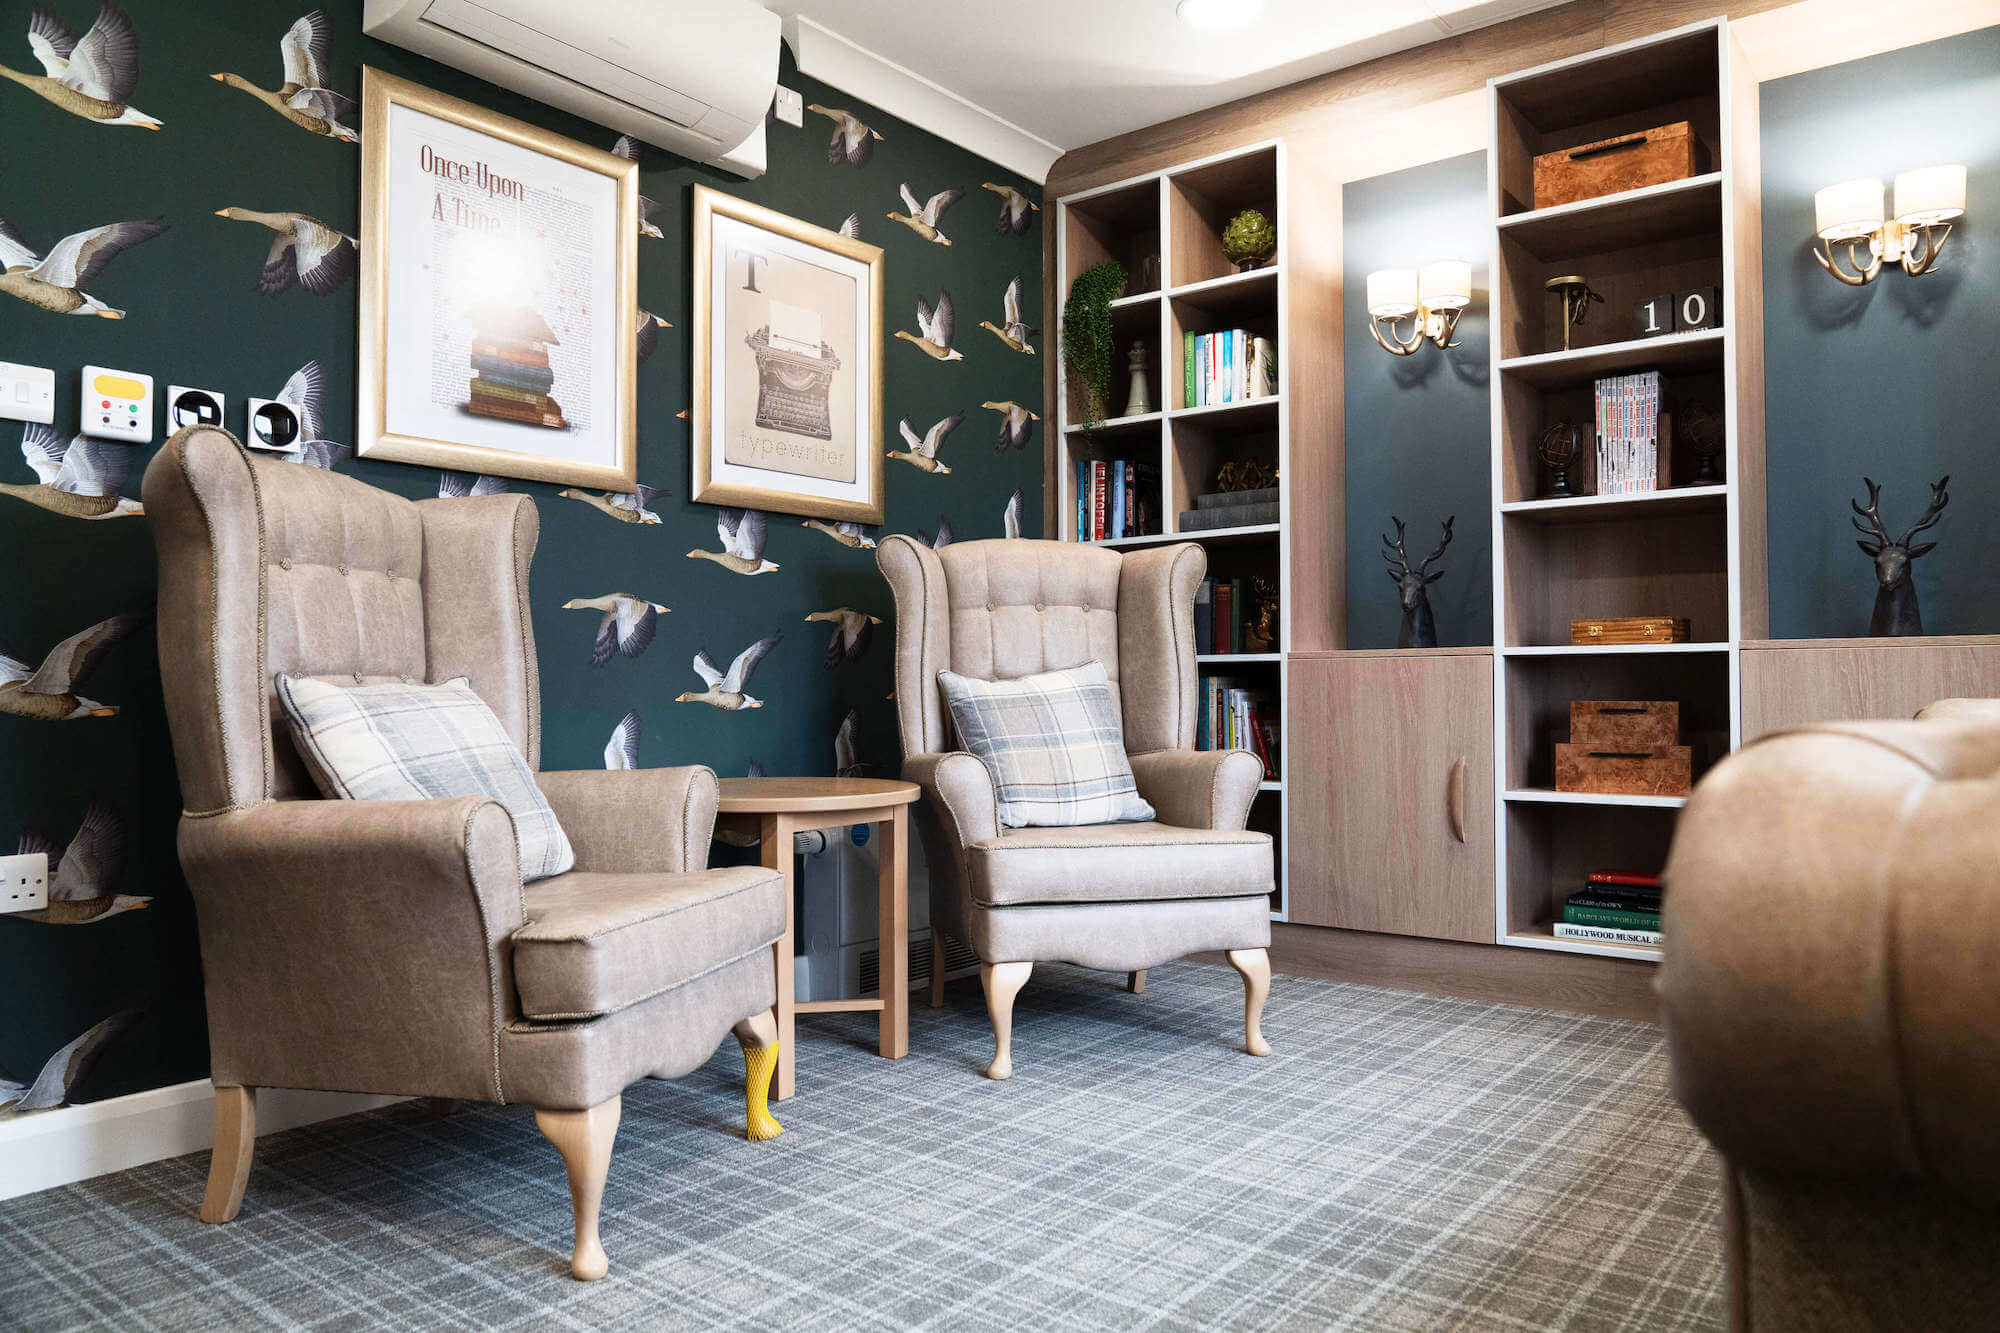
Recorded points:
(1120, 897)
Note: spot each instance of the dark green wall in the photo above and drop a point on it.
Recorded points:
(195, 317)
(1895, 380)
(1417, 427)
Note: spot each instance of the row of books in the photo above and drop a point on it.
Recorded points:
(1221, 609)
(1227, 367)
(1613, 907)
(1233, 717)
(1115, 498)
(1628, 434)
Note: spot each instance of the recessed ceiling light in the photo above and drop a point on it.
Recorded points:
(1219, 15)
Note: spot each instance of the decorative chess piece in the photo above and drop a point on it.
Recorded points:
(1140, 399)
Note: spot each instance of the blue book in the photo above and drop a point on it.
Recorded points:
(1228, 368)
(1116, 514)
(1082, 501)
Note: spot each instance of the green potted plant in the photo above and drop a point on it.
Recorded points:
(1087, 345)
(1249, 239)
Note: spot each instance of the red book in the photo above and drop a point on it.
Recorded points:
(1257, 742)
(1097, 532)
(1221, 613)
(1629, 877)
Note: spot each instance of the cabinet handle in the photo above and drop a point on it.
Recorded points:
(1454, 798)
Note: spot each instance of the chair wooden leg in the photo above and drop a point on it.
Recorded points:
(229, 1164)
(937, 967)
(1136, 981)
(1255, 965)
(584, 1140)
(1002, 982)
(758, 1036)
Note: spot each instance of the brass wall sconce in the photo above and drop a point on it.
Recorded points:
(1850, 214)
(1432, 300)
(1576, 298)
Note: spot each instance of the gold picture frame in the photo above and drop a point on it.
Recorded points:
(512, 422)
(831, 406)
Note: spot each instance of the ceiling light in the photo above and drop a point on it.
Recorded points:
(1219, 15)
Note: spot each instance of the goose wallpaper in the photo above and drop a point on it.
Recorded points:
(178, 196)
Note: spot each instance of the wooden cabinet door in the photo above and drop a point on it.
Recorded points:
(1391, 793)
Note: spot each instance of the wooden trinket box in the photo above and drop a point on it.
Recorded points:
(1628, 162)
(1629, 629)
(1661, 770)
(1624, 724)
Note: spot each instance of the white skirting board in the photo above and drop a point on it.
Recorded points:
(45, 1149)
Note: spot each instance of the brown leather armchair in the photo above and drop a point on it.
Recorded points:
(390, 947)
(1121, 897)
(1831, 993)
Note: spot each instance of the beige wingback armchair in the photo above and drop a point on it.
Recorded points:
(1831, 993)
(390, 947)
(1121, 897)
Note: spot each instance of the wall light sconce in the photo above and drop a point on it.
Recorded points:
(1431, 299)
(1928, 201)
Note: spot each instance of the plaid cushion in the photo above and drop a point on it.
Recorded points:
(1053, 743)
(397, 742)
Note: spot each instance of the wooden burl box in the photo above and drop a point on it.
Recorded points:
(1650, 157)
(1659, 770)
(1624, 724)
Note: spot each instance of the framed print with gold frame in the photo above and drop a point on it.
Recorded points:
(499, 293)
(787, 410)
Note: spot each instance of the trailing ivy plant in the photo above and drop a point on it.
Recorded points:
(1086, 335)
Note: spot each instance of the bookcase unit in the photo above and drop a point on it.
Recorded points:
(1685, 550)
(1175, 217)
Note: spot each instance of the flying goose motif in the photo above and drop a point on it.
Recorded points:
(1016, 209)
(943, 537)
(89, 78)
(466, 485)
(847, 534)
(306, 252)
(845, 762)
(853, 143)
(83, 877)
(65, 1069)
(48, 694)
(1015, 425)
(625, 506)
(934, 330)
(621, 752)
(923, 218)
(1015, 332)
(305, 394)
(627, 627)
(741, 532)
(850, 226)
(923, 452)
(628, 148)
(648, 342)
(303, 98)
(852, 632)
(51, 281)
(1010, 520)
(726, 689)
(81, 477)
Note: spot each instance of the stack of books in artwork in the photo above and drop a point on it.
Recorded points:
(1613, 907)
(511, 375)
(1628, 434)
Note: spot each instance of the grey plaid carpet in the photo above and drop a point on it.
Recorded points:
(1400, 1162)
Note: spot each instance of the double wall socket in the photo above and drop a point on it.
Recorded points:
(24, 882)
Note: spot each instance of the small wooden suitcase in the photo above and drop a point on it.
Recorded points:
(1624, 724)
(1650, 157)
(1660, 770)
(1629, 629)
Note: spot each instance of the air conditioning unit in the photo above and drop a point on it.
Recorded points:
(694, 77)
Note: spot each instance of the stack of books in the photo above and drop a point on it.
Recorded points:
(1230, 509)
(511, 376)
(1232, 717)
(1227, 367)
(1628, 434)
(1115, 498)
(1222, 607)
(1614, 907)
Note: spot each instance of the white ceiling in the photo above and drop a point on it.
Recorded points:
(1064, 73)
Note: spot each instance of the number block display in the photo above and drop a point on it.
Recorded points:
(1654, 315)
(1678, 312)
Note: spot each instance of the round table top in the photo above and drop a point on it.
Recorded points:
(785, 796)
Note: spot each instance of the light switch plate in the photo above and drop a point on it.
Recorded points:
(193, 407)
(115, 404)
(789, 107)
(24, 882)
(27, 393)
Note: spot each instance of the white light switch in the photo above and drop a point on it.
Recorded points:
(789, 106)
(27, 393)
(116, 404)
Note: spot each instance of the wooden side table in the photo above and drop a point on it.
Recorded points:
(776, 808)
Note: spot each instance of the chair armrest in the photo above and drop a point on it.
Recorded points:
(1209, 789)
(961, 790)
(1961, 710)
(644, 819)
(357, 945)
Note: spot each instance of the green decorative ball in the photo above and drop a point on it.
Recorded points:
(1249, 235)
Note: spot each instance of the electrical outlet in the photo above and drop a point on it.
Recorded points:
(789, 107)
(27, 393)
(24, 882)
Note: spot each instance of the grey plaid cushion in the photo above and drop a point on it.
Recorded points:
(395, 742)
(1053, 743)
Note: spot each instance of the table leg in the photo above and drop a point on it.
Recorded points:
(892, 892)
(777, 849)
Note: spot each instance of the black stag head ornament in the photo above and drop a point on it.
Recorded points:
(1896, 610)
(1413, 586)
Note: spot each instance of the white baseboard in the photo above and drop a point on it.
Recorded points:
(44, 1149)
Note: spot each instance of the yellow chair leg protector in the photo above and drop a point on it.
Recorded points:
(759, 1063)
